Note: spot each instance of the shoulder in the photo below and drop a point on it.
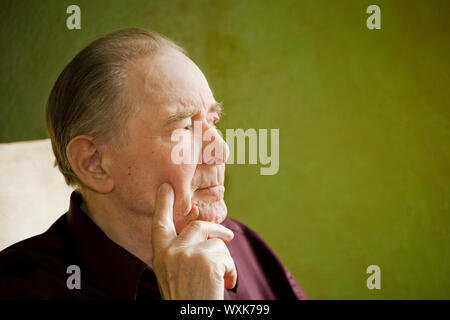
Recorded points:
(243, 233)
(240, 228)
(245, 238)
(258, 264)
(36, 247)
(26, 264)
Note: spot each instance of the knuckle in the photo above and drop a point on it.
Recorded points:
(219, 244)
(165, 256)
(171, 253)
(203, 258)
(199, 255)
(185, 255)
(160, 226)
(196, 224)
(217, 274)
(206, 260)
(166, 259)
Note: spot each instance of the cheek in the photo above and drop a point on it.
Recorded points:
(150, 174)
(138, 175)
(136, 182)
(180, 177)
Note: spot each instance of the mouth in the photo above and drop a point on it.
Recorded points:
(209, 187)
(208, 203)
(212, 192)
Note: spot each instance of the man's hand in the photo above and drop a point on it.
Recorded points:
(196, 264)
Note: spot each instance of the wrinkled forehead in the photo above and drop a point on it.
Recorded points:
(173, 79)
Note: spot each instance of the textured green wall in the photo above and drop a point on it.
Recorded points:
(364, 119)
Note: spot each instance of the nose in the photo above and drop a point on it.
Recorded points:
(214, 149)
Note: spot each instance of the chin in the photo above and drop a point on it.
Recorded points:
(210, 204)
(213, 212)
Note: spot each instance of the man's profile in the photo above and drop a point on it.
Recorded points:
(140, 226)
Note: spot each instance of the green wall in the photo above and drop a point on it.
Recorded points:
(364, 119)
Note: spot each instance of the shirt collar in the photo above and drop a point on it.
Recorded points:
(114, 269)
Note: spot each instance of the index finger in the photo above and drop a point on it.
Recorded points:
(163, 229)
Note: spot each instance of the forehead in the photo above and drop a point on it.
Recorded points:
(171, 79)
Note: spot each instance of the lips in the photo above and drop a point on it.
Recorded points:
(208, 187)
(213, 192)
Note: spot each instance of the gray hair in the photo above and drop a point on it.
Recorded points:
(88, 96)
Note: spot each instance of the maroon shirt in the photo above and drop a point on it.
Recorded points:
(36, 268)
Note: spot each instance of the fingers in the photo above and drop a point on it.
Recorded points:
(222, 257)
(163, 229)
(197, 231)
(230, 276)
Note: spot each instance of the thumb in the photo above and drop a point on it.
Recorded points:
(163, 229)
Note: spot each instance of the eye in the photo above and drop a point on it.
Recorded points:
(186, 124)
(214, 121)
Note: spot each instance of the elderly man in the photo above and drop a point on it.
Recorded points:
(140, 226)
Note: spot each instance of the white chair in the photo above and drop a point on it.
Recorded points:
(33, 193)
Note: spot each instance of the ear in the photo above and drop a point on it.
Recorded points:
(85, 159)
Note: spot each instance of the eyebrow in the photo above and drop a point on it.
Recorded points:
(215, 107)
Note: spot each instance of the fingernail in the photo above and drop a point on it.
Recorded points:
(164, 189)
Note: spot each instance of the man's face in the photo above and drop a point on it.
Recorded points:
(171, 93)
